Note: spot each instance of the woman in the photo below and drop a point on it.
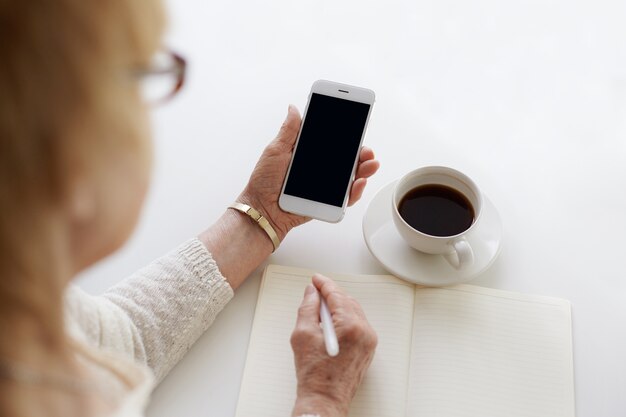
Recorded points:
(74, 167)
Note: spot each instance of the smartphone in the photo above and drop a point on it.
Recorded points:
(327, 149)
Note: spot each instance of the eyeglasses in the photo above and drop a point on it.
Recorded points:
(163, 78)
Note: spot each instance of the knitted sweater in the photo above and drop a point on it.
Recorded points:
(130, 337)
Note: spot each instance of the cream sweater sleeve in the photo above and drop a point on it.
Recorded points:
(155, 315)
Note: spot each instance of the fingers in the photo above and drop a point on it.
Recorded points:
(356, 192)
(367, 168)
(309, 311)
(307, 333)
(343, 307)
(291, 126)
(366, 154)
(333, 294)
(325, 285)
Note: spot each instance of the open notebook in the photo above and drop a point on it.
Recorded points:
(447, 352)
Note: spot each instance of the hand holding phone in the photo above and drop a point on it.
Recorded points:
(268, 177)
(327, 150)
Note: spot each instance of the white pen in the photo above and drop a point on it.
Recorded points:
(330, 337)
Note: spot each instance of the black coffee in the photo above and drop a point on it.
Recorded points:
(436, 210)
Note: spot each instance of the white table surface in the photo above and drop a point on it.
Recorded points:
(526, 97)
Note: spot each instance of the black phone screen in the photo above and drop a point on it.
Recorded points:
(329, 141)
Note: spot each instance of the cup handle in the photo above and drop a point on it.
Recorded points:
(461, 255)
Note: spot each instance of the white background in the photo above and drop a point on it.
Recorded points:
(526, 97)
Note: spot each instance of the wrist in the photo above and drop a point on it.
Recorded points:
(320, 405)
(259, 220)
(238, 245)
(241, 228)
(247, 198)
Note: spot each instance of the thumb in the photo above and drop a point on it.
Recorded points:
(291, 126)
(309, 311)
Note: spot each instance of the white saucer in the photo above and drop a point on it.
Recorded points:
(388, 247)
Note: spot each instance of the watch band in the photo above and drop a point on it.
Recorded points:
(260, 220)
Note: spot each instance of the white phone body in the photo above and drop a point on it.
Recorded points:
(326, 153)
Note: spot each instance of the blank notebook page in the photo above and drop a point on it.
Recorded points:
(268, 387)
(479, 352)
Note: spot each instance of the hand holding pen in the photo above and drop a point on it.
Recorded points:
(327, 383)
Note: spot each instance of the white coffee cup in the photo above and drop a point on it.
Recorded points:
(455, 249)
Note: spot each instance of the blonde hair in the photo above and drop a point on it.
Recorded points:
(66, 85)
